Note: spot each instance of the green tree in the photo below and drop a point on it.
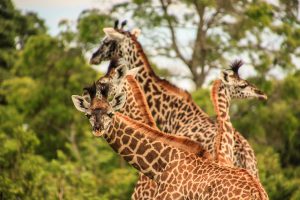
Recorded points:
(47, 150)
(220, 29)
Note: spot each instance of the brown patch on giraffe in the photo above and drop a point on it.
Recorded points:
(182, 143)
(256, 183)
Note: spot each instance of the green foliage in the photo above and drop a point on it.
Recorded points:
(203, 99)
(90, 27)
(273, 129)
(264, 32)
(47, 150)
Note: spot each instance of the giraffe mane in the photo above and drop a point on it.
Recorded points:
(179, 142)
(141, 101)
(214, 94)
(214, 98)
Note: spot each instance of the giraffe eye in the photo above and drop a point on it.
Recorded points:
(88, 116)
(243, 86)
(111, 114)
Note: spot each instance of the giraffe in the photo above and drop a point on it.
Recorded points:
(181, 167)
(173, 109)
(229, 86)
(136, 108)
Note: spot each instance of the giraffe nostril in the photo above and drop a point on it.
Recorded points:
(96, 128)
(94, 61)
(261, 95)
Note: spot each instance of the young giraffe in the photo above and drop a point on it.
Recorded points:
(173, 109)
(229, 86)
(136, 108)
(179, 166)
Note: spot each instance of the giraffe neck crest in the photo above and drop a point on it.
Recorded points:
(221, 100)
(224, 140)
(179, 142)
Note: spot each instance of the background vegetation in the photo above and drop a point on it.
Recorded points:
(47, 150)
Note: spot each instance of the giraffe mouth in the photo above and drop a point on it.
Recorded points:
(263, 97)
(98, 133)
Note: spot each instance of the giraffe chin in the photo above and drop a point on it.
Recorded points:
(98, 133)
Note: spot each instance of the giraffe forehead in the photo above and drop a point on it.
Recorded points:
(99, 103)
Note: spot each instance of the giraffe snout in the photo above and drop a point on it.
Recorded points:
(261, 95)
(95, 59)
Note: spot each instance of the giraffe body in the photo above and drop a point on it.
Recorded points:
(178, 172)
(181, 168)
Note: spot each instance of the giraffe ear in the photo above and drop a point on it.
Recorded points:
(224, 77)
(120, 74)
(86, 96)
(133, 72)
(112, 33)
(80, 103)
(136, 32)
(118, 101)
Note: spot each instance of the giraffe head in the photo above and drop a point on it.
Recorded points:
(98, 109)
(112, 83)
(239, 88)
(114, 44)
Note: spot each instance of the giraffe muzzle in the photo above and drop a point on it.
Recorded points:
(96, 58)
(98, 133)
(95, 61)
(261, 95)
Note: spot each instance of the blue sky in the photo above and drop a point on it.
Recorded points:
(52, 11)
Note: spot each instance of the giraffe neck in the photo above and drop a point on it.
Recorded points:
(224, 140)
(147, 149)
(136, 105)
(133, 55)
(164, 99)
